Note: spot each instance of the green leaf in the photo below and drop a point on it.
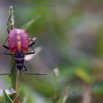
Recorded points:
(27, 25)
(9, 92)
(82, 74)
(41, 86)
(99, 49)
(7, 99)
(64, 97)
(98, 89)
(31, 96)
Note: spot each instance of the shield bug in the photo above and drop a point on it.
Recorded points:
(18, 45)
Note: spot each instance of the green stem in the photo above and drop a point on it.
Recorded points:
(13, 77)
(10, 26)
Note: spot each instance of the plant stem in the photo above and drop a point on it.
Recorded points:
(10, 22)
(10, 26)
(17, 80)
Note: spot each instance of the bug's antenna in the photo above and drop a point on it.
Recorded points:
(33, 73)
(7, 74)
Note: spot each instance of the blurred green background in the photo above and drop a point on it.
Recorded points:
(70, 33)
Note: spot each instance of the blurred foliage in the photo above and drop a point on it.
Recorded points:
(100, 41)
(67, 31)
(7, 99)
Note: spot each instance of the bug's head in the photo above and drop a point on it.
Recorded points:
(19, 54)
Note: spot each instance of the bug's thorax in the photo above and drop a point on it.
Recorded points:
(18, 39)
(19, 59)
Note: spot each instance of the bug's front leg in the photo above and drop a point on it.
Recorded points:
(31, 45)
(32, 52)
(8, 30)
(12, 68)
(32, 42)
(6, 48)
(6, 53)
(5, 45)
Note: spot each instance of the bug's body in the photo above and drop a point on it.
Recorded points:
(18, 45)
(18, 42)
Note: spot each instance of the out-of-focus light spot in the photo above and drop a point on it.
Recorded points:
(29, 57)
(56, 72)
(8, 91)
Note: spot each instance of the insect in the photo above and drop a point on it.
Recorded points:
(18, 45)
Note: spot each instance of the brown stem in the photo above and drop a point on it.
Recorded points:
(17, 80)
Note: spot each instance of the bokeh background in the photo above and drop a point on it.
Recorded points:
(70, 36)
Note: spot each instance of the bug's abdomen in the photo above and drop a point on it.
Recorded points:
(19, 63)
(19, 59)
(18, 40)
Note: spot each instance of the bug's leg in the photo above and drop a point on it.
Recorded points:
(12, 68)
(8, 30)
(9, 73)
(32, 42)
(4, 52)
(31, 45)
(7, 53)
(33, 73)
(5, 74)
(5, 45)
(25, 69)
(32, 52)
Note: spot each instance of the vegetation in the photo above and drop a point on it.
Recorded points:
(69, 48)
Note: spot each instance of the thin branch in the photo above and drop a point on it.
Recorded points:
(17, 80)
